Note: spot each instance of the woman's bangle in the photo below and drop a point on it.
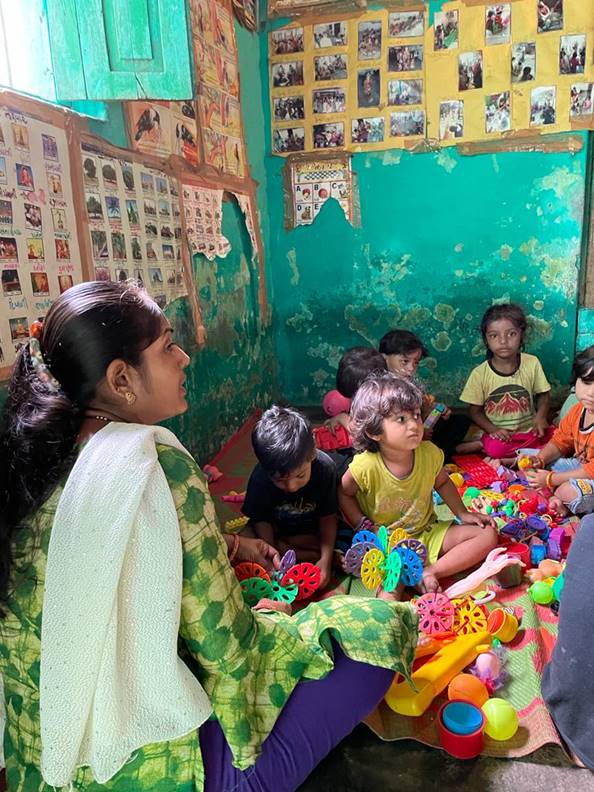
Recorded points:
(234, 550)
(538, 462)
(549, 481)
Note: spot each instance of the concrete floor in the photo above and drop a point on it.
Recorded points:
(363, 763)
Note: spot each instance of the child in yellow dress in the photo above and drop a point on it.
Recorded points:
(391, 481)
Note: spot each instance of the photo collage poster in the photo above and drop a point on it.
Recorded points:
(39, 249)
(164, 128)
(217, 80)
(133, 213)
(388, 79)
(203, 217)
(313, 182)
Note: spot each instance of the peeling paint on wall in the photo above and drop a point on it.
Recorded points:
(292, 259)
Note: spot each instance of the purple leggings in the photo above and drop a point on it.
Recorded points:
(317, 716)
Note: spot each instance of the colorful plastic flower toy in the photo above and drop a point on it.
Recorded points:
(379, 559)
(291, 582)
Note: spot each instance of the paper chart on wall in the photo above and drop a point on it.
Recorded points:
(245, 205)
(215, 56)
(314, 181)
(39, 249)
(134, 222)
(203, 215)
(164, 128)
(389, 79)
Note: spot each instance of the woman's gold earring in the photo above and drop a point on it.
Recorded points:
(130, 397)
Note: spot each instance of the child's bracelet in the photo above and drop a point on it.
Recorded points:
(549, 481)
(235, 548)
(364, 523)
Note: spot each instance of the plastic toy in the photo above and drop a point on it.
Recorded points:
(291, 582)
(496, 560)
(468, 616)
(462, 717)
(502, 625)
(546, 569)
(212, 473)
(380, 562)
(558, 587)
(487, 667)
(434, 676)
(466, 687)
(466, 745)
(501, 719)
(434, 416)
(334, 403)
(457, 479)
(537, 553)
(236, 524)
(436, 613)
(328, 440)
(541, 592)
(481, 474)
(233, 497)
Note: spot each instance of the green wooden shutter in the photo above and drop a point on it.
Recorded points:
(120, 49)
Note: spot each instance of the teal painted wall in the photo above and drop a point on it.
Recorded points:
(442, 237)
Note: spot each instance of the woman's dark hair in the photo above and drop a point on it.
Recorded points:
(401, 342)
(380, 396)
(283, 440)
(87, 327)
(510, 311)
(355, 365)
(583, 366)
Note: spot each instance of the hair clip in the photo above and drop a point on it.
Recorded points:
(39, 367)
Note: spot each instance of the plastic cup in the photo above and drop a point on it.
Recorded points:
(461, 746)
(502, 625)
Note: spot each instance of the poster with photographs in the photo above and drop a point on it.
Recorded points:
(164, 128)
(287, 8)
(406, 24)
(313, 181)
(550, 15)
(203, 217)
(134, 223)
(216, 59)
(523, 63)
(39, 249)
(466, 73)
(498, 23)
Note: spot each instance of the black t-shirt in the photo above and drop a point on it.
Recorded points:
(298, 512)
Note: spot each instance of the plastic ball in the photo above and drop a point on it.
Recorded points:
(541, 593)
(335, 403)
(457, 479)
(472, 492)
(467, 687)
(501, 719)
(488, 665)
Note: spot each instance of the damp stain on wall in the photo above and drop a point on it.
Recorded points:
(442, 238)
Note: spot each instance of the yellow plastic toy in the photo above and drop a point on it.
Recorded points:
(236, 524)
(435, 675)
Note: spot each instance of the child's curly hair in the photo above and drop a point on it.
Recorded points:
(378, 397)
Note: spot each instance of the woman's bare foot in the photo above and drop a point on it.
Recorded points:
(557, 505)
(429, 584)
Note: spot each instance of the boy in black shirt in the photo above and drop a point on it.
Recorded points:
(291, 494)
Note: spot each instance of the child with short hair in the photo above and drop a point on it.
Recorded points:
(291, 493)
(391, 480)
(571, 478)
(403, 351)
(354, 366)
(508, 394)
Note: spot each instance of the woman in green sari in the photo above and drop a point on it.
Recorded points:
(130, 661)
